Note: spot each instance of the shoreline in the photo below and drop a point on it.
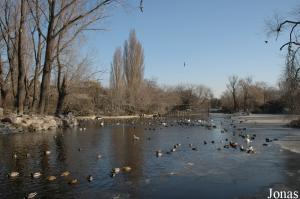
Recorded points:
(273, 119)
(94, 117)
(289, 143)
(15, 123)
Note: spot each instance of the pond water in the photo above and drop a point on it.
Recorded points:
(197, 171)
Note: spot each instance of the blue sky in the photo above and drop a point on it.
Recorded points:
(216, 39)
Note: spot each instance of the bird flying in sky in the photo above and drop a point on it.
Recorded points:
(141, 6)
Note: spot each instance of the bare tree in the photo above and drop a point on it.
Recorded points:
(3, 85)
(9, 32)
(21, 59)
(117, 80)
(232, 87)
(133, 60)
(38, 44)
(61, 84)
(203, 94)
(63, 16)
(290, 81)
(116, 74)
(245, 85)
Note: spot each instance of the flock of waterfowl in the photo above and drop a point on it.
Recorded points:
(245, 146)
(35, 175)
(233, 129)
(65, 174)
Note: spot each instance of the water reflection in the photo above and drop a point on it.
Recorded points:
(183, 173)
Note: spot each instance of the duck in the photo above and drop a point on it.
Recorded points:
(99, 156)
(73, 181)
(204, 142)
(90, 178)
(159, 153)
(268, 140)
(36, 175)
(250, 149)
(173, 149)
(51, 178)
(136, 137)
(27, 155)
(65, 173)
(116, 170)
(15, 156)
(233, 144)
(98, 118)
(242, 148)
(126, 168)
(47, 152)
(247, 140)
(31, 195)
(13, 174)
(102, 123)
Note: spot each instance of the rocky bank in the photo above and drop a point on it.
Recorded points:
(13, 123)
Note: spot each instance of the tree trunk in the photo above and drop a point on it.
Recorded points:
(3, 90)
(3, 99)
(21, 61)
(35, 87)
(36, 73)
(62, 92)
(245, 102)
(234, 102)
(45, 85)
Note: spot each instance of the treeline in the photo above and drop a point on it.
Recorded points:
(42, 69)
(131, 93)
(38, 60)
(245, 95)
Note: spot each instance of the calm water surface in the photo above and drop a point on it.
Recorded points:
(203, 173)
